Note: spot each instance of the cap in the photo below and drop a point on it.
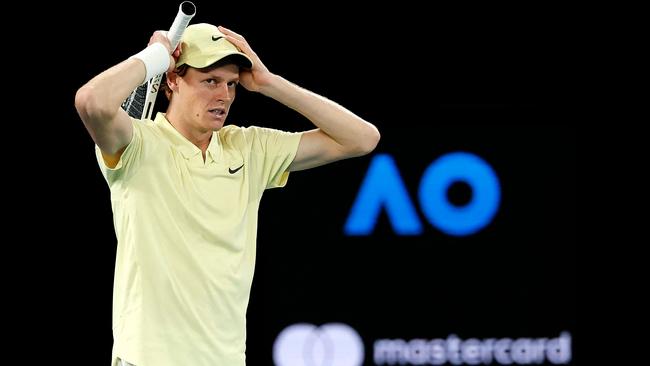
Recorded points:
(203, 44)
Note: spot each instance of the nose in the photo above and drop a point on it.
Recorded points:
(223, 92)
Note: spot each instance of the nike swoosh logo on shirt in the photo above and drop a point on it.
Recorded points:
(216, 38)
(233, 171)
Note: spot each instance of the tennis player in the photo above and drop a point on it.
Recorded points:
(185, 190)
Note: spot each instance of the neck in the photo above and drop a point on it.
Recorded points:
(200, 138)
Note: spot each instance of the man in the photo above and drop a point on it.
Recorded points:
(185, 191)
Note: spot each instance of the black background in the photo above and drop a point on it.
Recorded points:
(434, 79)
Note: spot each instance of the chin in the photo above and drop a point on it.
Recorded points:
(215, 125)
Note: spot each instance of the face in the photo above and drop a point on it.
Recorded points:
(202, 99)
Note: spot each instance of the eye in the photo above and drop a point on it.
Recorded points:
(232, 84)
(211, 81)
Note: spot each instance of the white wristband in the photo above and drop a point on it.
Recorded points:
(155, 58)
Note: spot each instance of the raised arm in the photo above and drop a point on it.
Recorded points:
(99, 101)
(340, 134)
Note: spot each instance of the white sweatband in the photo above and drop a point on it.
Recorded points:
(155, 58)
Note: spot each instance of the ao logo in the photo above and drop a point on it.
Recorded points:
(383, 188)
(333, 344)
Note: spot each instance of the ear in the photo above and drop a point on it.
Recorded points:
(172, 81)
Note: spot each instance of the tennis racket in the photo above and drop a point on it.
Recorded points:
(141, 101)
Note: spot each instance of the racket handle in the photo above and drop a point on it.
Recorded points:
(185, 13)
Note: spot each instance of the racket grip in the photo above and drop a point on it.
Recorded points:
(186, 11)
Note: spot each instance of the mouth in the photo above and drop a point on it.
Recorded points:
(217, 112)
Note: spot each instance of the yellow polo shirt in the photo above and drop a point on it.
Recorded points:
(186, 233)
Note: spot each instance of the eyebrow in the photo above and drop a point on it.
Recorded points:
(221, 78)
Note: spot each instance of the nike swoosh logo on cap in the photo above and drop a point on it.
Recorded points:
(216, 38)
(233, 171)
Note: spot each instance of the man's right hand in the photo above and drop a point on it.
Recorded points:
(161, 37)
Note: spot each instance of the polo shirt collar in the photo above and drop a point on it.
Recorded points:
(185, 146)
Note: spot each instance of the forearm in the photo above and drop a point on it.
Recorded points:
(99, 105)
(347, 129)
(99, 101)
(103, 95)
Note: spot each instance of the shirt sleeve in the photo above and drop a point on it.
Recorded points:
(129, 161)
(273, 151)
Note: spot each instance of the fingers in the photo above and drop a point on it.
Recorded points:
(177, 51)
(228, 32)
(242, 45)
(240, 42)
(161, 37)
(235, 38)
